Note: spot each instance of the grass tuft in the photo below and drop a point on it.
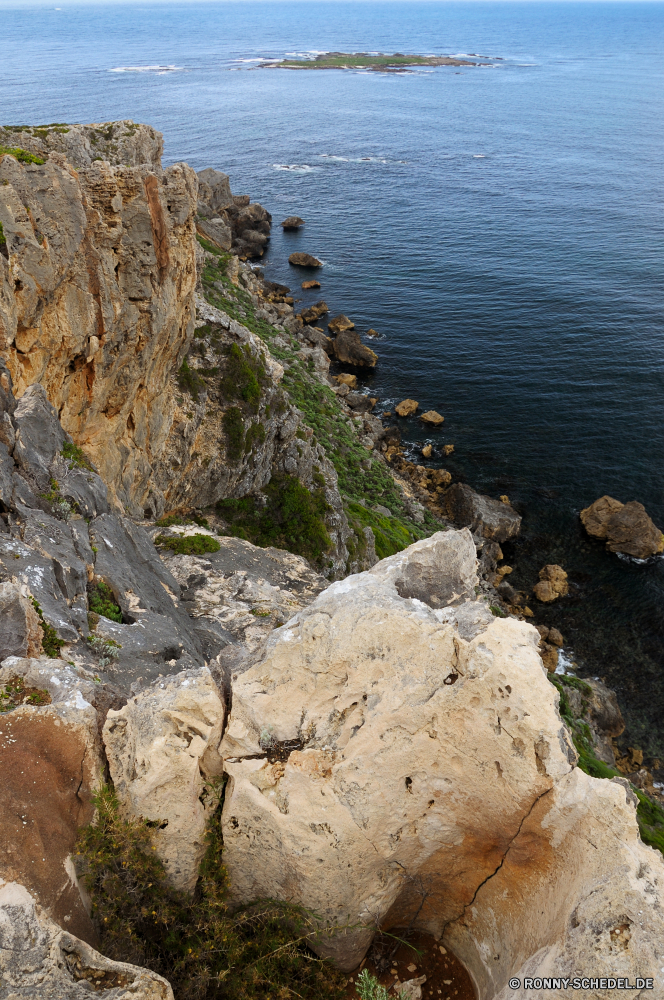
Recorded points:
(188, 545)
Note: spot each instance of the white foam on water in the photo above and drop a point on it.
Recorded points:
(566, 665)
(479, 156)
(159, 70)
(295, 168)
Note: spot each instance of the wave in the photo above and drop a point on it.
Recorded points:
(357, 159)
(159, 70)
(565, 665)
(295, 168)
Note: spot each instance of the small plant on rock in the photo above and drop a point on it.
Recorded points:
(101, 601)
(76, 457)
(368, 988)
(51, 641)
(188, 545)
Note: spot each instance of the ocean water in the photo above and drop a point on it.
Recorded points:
(500, 227)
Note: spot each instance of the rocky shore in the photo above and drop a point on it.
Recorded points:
(235, 614)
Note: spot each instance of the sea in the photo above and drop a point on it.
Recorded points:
(499, 226)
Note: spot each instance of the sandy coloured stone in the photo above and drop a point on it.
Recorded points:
(433, 418)
(406, 407)
(304, 260)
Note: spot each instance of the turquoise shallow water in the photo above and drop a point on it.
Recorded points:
(502, 229)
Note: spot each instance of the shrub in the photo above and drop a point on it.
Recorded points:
(292, 519)
(188, 545)
(51, 641)
(244, 376)
(234, 429)
(189, 380)
(207, 954)
(101, 601)
(22, 155)
(76, 456)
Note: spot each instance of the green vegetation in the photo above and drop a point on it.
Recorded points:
(15, 693)
(367, 987)
(233, 425)
(292, 519)
(60, 506)
(188, 545)
(244, 376)
(76, 457)
(189, 380)
(363, 479)
(256, 953)
(356, 60)
(3, 239)
(101, 601)
(650, 816)
(22, 155)
(391, 535)
(51, 641)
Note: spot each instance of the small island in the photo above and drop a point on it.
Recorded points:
(377, 61)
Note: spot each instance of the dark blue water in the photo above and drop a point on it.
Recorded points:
(504, 236)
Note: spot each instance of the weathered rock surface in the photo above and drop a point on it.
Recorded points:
(627, 528)
(304, 260)
(432, 753)
(229, 221)
(552, 584)
(50, 762)
(293, 222)
(310, 284)
(349, 349)
(492, 519)
(39, 960)
(406, 407)
(96, 298)
(345, 379)
(314, 312)
(161, 748)
(339, 324)
(433, 418)
(20, 631)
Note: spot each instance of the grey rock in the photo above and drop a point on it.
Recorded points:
(440, 571)
(39, 436)
(214, 189)
(216, 230)
(124, 142)
(19, 561)
(38, 959)
(485, 516)
(20, 632)
(359, 402)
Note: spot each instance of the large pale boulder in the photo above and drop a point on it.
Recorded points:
(40, 960)
(391, 758)
(161, 749)
(413, 749)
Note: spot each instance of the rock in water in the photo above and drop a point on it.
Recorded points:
(310, 284)
(304, 260)
(349, 348)
(433, 418)
(433, 750)
(627, 528)
(552, 584)
(406, 408)
(339, 324)
(491, 518)
(349, 380)
(293, 222)
(314, 312)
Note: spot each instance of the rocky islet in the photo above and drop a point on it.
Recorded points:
(227, 409)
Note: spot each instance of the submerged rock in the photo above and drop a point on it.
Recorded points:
(627, 528)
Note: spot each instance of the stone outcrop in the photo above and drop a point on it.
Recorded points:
(339, 324)
(491, 519)
(293, 222)
(50, 762)
(432, 418)
(406, 408)
(314, 312)
(430, 759)
(304, 260)
(552, 584)
(96, 298)
(627, 528)
(310, 284)
(39, 959)
(230, 221)
(162, 748)
(349, 349)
